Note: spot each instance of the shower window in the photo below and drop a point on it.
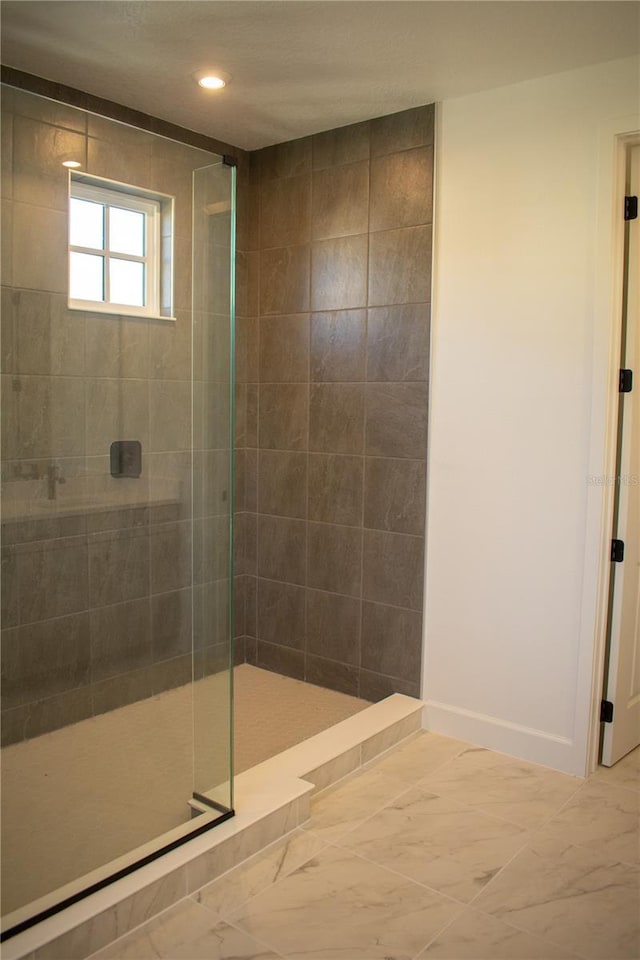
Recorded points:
(114, 248)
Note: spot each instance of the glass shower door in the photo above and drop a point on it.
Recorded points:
(117, 499)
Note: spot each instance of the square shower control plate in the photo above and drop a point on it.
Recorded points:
(126, 458)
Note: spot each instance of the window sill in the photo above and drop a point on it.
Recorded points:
(120, 314)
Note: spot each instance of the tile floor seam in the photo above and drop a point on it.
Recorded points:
(258, 940)
(538, 830)
(470, 806)
(371, 763)
(513, 926)
(621, 786)
(609, 783)
(440, 932)
(530, 838)
(501, 917)
(545, 939)
(359, 823)
(229, 913)
(451, 923)
(532, 830)
(577, 843)
(402, 876)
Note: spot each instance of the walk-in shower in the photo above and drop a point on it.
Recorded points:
(117, 489)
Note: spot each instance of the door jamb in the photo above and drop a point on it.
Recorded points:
(623, 143)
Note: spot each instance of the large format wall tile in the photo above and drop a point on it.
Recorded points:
(401, 189)
(338, 345)
(396, 420)
(44, 659)
(280, 659)
(43, 417)
(50, 339)
(398, 342)
(336, 418)
(120, 638)
(284, 349)
(59, 568)
(39, 150)
(333, 626)
(339, 273)
(340, 201)
(171, 621)
(285, 211)
(343, 145)
(393, 569)
(118, 566)
(335, 555)
(284, 280)
(281, 613)
(169, 415)
(283, 416)
(282, 549)
(6, 154)
(339, 411)
(332, 674)
(400, 266)
(378, 686)
(284, 159)
(282, 483)
(395, 495)
(402, 131)
(391, 640)
(9, 587)
(39, 246)
(170, 555)
(335, 488)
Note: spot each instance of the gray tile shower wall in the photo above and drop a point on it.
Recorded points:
(99, 604)
(332, 404)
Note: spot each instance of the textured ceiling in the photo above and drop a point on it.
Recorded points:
(302, 67)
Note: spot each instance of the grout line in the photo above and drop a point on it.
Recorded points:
(260, 942)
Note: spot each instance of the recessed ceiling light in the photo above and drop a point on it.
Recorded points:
(71, 163)
(212, 83)
(212, 79)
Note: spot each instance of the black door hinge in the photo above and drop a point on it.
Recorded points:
(606, 711)
(630, 208)
(626, 381)
(617, 551)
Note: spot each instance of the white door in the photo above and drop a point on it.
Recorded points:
(623, 679)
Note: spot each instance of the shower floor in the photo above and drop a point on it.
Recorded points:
(81, 796)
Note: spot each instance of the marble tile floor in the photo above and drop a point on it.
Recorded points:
(436, 851)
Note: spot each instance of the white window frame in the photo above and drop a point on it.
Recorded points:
(82, 187)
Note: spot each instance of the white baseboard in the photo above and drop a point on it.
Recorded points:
(525, 743)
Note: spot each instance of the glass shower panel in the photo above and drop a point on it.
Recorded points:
(116, 507)
(213, 338)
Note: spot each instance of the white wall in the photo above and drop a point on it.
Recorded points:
(521, 339)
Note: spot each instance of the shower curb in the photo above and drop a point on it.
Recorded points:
(273, 798)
